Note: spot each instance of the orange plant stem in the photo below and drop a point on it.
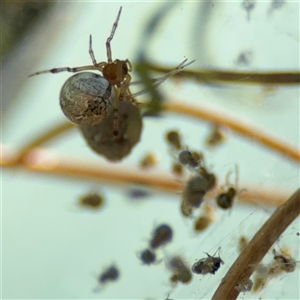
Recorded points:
(246, 130)
(233, 77)
(258, 247)
(45, 162)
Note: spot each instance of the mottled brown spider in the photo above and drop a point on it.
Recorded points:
(105, 101)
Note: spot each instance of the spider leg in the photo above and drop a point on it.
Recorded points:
(158, 81)
(66, 69)
(178, 69)
(129, 65)
(109, 39)
(91, 52)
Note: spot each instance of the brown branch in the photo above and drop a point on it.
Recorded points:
(233, 77)
(45, 137)
(42, 161)
(247, 130)
(244, 129)
(258, 247)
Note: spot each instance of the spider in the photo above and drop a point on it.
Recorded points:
(115, 72)
(87, 98)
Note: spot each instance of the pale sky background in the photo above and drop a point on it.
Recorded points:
(51, 249)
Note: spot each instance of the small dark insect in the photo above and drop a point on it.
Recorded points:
(276, 4)
(216, 137)
(180, 271)
(192, 159)
(209, 265)
(283, 262)
(93, 201)
(174, 139)
(177, 169)
(186, 208)
(243, 242)
(162, 235)
(184, 157)
(202, 223)
(205, 219)
(244, 58)
(110, 274)
(194, 191)
(148, 257)
(225, 200)
(210, 177)
(148, 161)
(248, 5)
(137, 193)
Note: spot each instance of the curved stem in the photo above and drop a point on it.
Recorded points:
(43, 161)
(241, 127)
(247, 130)
(234, 77)
(258, 247)
(45, 137)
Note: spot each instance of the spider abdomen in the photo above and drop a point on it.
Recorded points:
(87, 98)
(101, 139)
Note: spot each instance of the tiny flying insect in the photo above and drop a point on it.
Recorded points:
(216, 136)
(110, 274)
(208, 265)
(181, 273)
(148, 161)
(242, 243)
(177, 169)
(209, 176)
(162, 235)
(192, 159)
(205, 219)
(104, 108)
(201, 223)
(173, 138)
(92, 201)
(148, 257)
(194, 191)
(225, 200)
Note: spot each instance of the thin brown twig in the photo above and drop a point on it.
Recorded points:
(42, 161)
(241, 127)
(258, 247)
(45, 137)
(247, 130)
(233, 77)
